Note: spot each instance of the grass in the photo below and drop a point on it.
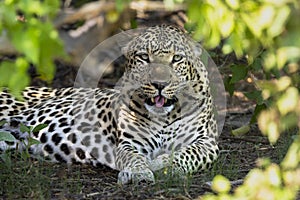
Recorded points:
(22, 177)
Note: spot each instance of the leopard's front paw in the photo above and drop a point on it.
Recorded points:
(135, 175)
(160, 162)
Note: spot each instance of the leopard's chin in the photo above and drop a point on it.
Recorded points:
(160, 105)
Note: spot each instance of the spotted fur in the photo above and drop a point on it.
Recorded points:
(159, 116)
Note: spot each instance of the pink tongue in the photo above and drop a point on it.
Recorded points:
(159, 101)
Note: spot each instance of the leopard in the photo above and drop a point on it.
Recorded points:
(160, 115)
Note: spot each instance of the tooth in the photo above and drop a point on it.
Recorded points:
(152, 99)
(166, 100)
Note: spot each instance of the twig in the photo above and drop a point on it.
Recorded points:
(155, 5)
(86, 12)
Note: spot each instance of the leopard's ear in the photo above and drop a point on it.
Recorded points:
(126, 37)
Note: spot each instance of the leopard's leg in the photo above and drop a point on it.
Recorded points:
(133, 165)
(197, 156)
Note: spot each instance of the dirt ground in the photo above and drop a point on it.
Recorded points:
(238, 155)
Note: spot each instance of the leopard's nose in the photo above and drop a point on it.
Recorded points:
(159, 86)
(160, 74)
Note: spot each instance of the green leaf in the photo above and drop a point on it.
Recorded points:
(7, 14)
(288, 102)
(6, 136)
(19, 79)
(53, 7)
(226, 25)
(257, 110)
(257, 64)
(39, 127)
(251, 22)
(221, 184)
(7, 69)
(277, 25)
(49, 38)
(241, 130)
(18, 82)
(5, 157)
(284, 54)
(24, 128)
(119, 5)
(289, 121)
(32, 141)
(234, 40)
(228, 85)
(255, 95)
(26, 40)
(14, 75)
(2, 122)
(292, 157)
(234, 4)
(239, 72)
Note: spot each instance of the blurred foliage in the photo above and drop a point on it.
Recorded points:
(255, 22)
(28, 25)
(267, 33)
(269, 181)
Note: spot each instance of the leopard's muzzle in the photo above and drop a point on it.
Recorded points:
(160, 101)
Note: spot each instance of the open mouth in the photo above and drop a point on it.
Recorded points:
(160, 101)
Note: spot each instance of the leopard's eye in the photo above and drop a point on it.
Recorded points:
(177, 58)
(143, 57)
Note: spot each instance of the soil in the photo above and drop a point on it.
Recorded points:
(239, 154)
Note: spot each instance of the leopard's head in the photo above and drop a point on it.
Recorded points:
(164, 63)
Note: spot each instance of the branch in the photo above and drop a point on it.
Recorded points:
(86, 12)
